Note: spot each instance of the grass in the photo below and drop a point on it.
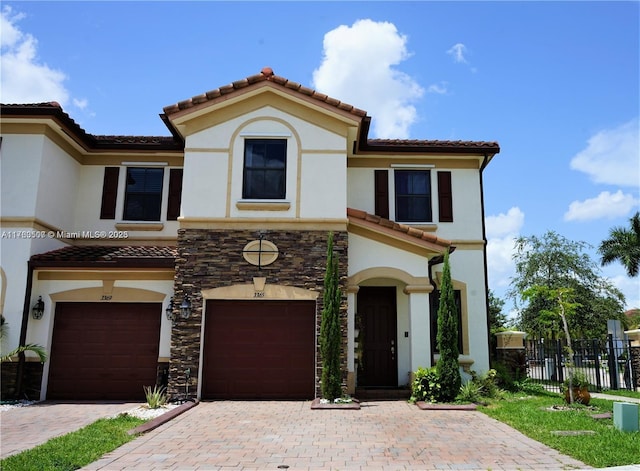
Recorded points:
(77, 449)
(533, 416)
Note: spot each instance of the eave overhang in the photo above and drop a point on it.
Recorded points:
(396, 235)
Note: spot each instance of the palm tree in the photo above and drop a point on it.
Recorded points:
(31, 347)
(623, 245)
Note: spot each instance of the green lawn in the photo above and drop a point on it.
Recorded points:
(76, 449)
(536, 417)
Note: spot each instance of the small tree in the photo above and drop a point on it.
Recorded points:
(562, 306)
(447, 339)
(331, 387)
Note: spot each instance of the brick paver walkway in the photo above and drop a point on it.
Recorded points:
(385, 435)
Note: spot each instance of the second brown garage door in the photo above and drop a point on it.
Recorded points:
(259, 350)
(104, 350)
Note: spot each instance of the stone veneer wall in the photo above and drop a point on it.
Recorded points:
(31, 380)
(210, 258)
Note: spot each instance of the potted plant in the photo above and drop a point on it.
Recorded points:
(576, 388)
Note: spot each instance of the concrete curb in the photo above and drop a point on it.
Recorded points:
(317, 405)
(164, 418)
(439, 406)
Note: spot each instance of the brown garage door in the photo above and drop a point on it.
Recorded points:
(259, 350)
(104, 350)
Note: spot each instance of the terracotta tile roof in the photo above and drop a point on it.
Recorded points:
(411, 234)
(422, 144)
(90, 141)
(129, 256)
(176, 142)
(265, 75)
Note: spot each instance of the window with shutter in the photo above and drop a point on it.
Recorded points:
(381, 182)
(445, 197)
(109, 193)
(143, 196)
(413, 195)
(175, 194)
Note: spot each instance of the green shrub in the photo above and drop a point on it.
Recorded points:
(470, 392)
(426, 385)
(448, 367)
(156, 397)
(330, 336)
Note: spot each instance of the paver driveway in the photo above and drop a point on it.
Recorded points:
(385, 435)
(26, 427)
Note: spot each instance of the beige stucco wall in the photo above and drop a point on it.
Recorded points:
(316, 164)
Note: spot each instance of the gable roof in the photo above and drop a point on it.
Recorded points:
(103, 256)
(392, 233)
(265, 77)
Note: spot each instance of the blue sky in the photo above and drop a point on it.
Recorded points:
(555, 83)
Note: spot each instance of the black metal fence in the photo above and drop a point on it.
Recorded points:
(606, 363)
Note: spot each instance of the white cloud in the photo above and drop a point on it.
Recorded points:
(612, 156)
(358, 67)
(501, 232)
(24, 78)
(605, 205)
(438, 88)
(458, 52)
(82, 104)
(505, 224)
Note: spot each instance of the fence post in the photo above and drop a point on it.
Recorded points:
(510, 351)
(595, 347)
(559, 363)
(613, 364)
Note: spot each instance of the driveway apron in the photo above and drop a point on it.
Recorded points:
(383, 435)
(22, 428)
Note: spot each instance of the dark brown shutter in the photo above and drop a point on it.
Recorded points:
(445, 197)
(382, 193)
(109, 193)
(175, 194)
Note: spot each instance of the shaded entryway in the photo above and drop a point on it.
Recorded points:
(259, 350)
(105, 351)
(377, 320)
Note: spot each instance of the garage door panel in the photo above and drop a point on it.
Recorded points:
(104, 350)
(259, 349)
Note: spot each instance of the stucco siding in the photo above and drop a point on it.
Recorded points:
(20, 173)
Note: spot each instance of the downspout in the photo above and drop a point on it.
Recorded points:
(485, 162)
(23, 329)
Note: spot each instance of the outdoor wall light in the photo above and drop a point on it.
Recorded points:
(169, 310)
(185, 307)
(38, 309)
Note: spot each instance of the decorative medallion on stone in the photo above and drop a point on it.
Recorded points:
(260, 252)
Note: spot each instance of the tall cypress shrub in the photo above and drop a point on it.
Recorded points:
(447, 366)
(331, 387)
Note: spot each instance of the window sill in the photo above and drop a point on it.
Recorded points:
(139, 226)
(267, 205)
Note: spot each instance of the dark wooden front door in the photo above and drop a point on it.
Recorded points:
(259, 350)
(377, 316)
(106, 351)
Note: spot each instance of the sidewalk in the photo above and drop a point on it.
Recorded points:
(611, 397)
